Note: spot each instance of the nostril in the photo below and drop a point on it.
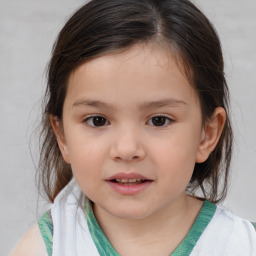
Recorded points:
(126, 151)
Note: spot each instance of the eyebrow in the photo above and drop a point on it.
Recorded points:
(92, 103)
(145, 105)
(162, 103)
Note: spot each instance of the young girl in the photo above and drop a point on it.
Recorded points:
(136, 122)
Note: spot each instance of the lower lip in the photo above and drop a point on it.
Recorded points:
(129, 189)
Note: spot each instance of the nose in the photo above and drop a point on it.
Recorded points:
(127, 146)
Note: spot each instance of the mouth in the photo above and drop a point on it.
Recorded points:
(129, 184)
(129, 181)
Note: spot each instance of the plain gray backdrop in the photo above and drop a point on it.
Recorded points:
(28, 29)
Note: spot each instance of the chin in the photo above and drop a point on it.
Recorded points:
(130, 213)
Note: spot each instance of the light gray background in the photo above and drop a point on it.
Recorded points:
(27, 31)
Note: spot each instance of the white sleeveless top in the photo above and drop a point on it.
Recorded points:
(70, 229)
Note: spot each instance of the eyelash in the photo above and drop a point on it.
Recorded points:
(90, 121)
(166, 119)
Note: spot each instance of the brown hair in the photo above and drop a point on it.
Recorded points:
(105, 26)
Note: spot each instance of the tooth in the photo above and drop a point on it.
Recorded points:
(130, 181)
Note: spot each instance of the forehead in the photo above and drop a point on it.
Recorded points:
(144, 69)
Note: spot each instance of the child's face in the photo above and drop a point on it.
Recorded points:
(132, 115)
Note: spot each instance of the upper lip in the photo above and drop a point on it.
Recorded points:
(127, 176)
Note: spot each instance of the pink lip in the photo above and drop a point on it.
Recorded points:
(128, 189)
(127, 176)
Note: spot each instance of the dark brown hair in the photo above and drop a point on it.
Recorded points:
(106, 26)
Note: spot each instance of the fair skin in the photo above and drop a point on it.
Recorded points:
(134, 117)
(126, 91)
(30, 244)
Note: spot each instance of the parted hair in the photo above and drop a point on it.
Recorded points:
(101, 27)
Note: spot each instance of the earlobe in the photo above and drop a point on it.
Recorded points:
(59, 133)
(211, 134)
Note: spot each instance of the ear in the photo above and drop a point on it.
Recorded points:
(211, 134)
(59, 133)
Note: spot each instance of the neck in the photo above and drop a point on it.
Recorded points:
(162, 230)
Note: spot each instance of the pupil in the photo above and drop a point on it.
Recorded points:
(158, 120)
(99, 121)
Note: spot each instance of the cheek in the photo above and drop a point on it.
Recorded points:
(86, 157)
(176, 156)
(175, 172)
(86, 164)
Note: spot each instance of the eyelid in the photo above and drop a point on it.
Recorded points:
(170, 119)
(90, 117)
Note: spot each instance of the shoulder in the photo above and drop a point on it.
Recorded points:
(239, 225)
(30, 244)
(227, 234)
(239, 233)
(254, 225)
(243, 232)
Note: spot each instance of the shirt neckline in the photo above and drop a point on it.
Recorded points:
(186, 246)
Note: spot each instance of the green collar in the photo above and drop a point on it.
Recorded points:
(105, 248)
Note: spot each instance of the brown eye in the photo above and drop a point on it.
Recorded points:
(97, 121)
(159, 121)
